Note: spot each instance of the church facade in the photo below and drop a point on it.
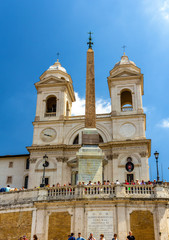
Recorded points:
(59, 135)
(52, 213)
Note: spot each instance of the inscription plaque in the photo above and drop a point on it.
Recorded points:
(100, 222)
(90, 170)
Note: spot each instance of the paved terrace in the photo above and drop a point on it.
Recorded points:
(85, 192)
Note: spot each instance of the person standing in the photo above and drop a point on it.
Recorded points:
(102, 237)
(115, 237)
(35, 237)
(24, 238)
(130, 236)
(72, 237)
(91, 237)
(80, 237)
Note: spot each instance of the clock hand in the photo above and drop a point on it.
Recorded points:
(47, 135)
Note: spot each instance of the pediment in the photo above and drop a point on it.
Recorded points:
(124, 73)
(51, 80)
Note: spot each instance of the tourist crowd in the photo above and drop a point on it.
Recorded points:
(9, 189)
(25, 238)
(91, 237)
(107, 183)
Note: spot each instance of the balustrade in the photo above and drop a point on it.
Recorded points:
(85, 192)
(139, 189)
(126, 109)
(81, 191)
(50, 114)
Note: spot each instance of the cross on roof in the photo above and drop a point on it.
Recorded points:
(124, 47)
(90, 43)
(57, 56)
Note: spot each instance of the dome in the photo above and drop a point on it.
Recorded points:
(57, 66)
(124, 60)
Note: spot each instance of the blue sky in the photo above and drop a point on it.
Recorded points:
(32, 32)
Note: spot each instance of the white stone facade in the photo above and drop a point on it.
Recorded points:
(59, 135)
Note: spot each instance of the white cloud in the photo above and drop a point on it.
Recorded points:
(78, 107)
(103, 106)
(165, 123)
(165, 9)
(157, 10)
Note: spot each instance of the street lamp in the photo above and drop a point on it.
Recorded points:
(45, 164)
(156, 154)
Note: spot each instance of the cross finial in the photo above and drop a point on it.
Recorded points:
(57, 56)
(124, 47)
(90, 43)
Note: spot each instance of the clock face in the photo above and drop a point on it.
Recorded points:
(48, 134)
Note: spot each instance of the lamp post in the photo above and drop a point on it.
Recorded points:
(156, 154)
(45, 164)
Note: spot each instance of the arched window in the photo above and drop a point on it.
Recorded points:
(76, 140)
(126, 101)
(51, 105)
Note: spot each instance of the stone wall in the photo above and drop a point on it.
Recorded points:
(15, 224)
(59, 226)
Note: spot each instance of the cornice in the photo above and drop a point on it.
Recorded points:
(62, 147)
(103, 146)
(81, 118)
(127, 143)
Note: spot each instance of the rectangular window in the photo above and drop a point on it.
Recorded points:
(10, 165)
(27, 163)
(46, 181)
(130, 177)
(9, 179)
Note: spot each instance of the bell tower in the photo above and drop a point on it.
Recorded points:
(55, 95)
(128, 121)
(126, 89)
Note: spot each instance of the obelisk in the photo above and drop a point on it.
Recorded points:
(90, 135)
(90, 156)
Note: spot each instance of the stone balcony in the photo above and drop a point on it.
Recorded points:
(84, 192)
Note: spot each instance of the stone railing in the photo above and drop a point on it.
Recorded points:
(126, 109)
(102, 115)
(139, 190)
(50, 114)
(81, 191)
(84, 192)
